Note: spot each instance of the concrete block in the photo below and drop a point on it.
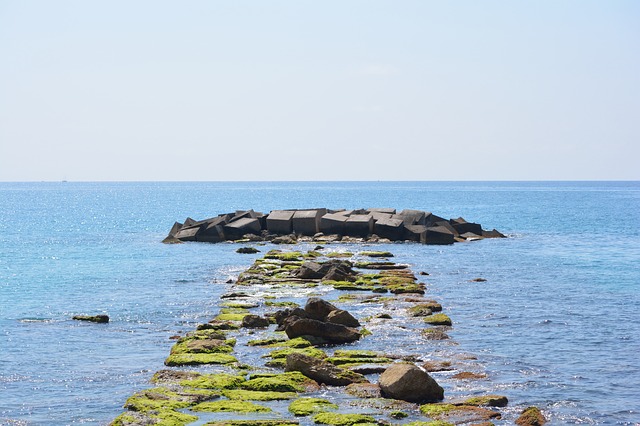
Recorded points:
(236, 229)
(415, 233)
(344, 212)
(333, 223)
(280, 222)
(212, 231)
(382, 210)
(390, 228)
(413, 217)
(307, 222)
(439, 235)
(462, 226)
(359, 225)
(380, 215)
(188, 234)
(447, 225)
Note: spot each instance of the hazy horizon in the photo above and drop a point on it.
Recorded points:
(332, 91)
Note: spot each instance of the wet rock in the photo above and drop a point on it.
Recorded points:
(409, 383)
(364, 390)
(343, 317)
(318, 309)
(488, 401)
(332, 333)
(531, 416)
(92, 318)
(310, 271)
(254, 321)
(432, 366)
(285, 239)
(469, 375)
(322, 371)
(247, 250)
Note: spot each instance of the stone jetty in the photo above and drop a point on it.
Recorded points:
(326, 225)
(320, 337)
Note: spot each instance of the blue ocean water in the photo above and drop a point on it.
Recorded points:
(555, 325)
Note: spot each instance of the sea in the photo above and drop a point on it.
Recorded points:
(556, 324)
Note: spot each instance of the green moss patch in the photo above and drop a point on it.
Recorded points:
(205, 346)
(376, 253)
(336, 419)
(165, 399)
(229, 406)
(285, 382)
(214, 381)
(253, 423)
(309, 351)
(267, 342)
(282, 304)
(339, 254)
(308, 406)
(283, 255)
(247, 395)
(488, 401)
(196, 359)
(438, 319)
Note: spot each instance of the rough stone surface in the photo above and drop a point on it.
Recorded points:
(334, 333)
(531, 416)
(280, 222)
(409, 383)
(359, 225)
(333, 223)
(307, 222)
(254, 321)
(235, 230)
(92, 318)
(318, 309)
(322, 371)
(343, 317)
(438, 235)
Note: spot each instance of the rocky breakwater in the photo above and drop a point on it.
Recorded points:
(326, 225)
(369, 351)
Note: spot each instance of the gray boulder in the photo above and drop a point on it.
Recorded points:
(322, 371)
(332, 333)
(340, 316)
(408, 382)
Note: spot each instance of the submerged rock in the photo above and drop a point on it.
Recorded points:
(92, 318)
(409, 383)
(531, 416)
(322, 371)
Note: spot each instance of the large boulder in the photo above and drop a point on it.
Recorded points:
(408, 382)
(322, 371)
(318, 309)
(332, 333)
(340, 316)
(280, 222)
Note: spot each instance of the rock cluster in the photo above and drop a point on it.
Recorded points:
(286, 226)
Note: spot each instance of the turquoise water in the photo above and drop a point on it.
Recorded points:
(555, 325)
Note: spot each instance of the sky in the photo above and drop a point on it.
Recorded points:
(319, 90)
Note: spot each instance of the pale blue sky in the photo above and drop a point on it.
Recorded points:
(323, 90)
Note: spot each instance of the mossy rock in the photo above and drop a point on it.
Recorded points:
(267, 342)
(247, 250)
(301, 342)
(218, 325)
(285, 382)
(214, 381)
(309, 351)
(232, 314)
(337, 419)
(376, 253)
(247, 395)
(438, 319)
(308, 406)
(204, 334)
(488, 401)
(240, 305)
(339, 254)
(283, 255)
(162, 398)
(349, 286)
(196, 359)
(173, 376)
(531, 416)
(204, 346)
(159, 417)
(435, 410)
(253, 423)
(398, 414)
(350, 362)
(282, 304)
(431, 423)
(406, 288)
(392, 280)
(229, 406)
(350, 353)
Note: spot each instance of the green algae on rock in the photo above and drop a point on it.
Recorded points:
(282, 382)
(196, 359)
(162, 398)
(458, 413)
(308, 406)
(337, 419)
(229, 406)
(438, 319)
(160, 417)
(488, 400)
(214, 381)
(376, 253)
(247, 395)
(253, 423)
(531, 416)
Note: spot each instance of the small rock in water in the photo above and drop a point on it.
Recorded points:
(92, 318)
(479, 280)
(247, 250)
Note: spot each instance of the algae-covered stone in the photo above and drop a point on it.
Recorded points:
(458, 413)
(161, 417)
(409, 383)
(247, 395)
(488, 400)
(214, 381)
(173, 376)
(92, 318)
(247, 250)
(438, 319)
(337, 419)
(196, 359)
(531, 416)
(322, 371)
(229, 406)
(308, 406)
(280, 422)
(376, 253)
(284, 382)
(162, 398)
(204, 346)
(266, 342)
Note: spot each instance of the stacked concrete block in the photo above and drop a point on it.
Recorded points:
(307, 222)
(462, 226)
(413, 217)
(280, 222)
(213, 230)
(391, 228)
(359, 225)
(415, 233)
(439, 235)
(236, 229)
(381, 210)
(333, 223)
